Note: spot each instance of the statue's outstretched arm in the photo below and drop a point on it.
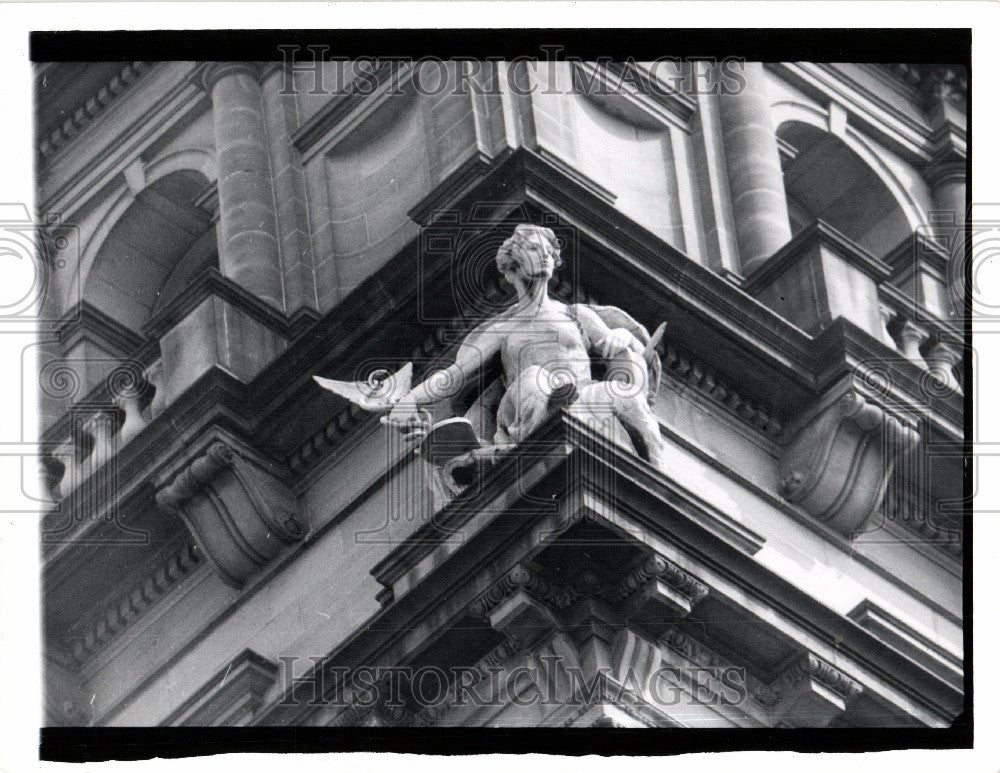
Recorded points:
(478, 347)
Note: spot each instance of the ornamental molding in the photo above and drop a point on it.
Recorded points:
(238, 509)
(522, 579)
(685, 369)
(82, 116)
(935, 82)
(838, 464)
(122, 614)
(657, 588)
(231, 697)
(810, 666)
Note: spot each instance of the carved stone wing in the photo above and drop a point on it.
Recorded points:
(614, 317)
(379, 393)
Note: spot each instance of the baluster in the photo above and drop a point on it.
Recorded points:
(66, 453)
(888, 314)
(912, 338)
(100, 427)
(51, 472)
(134, 422)
(941, 360)
(154, 375)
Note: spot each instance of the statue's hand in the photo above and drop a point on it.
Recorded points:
(412, 422)
(617, 341)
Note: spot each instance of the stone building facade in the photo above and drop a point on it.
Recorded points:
(227, 544)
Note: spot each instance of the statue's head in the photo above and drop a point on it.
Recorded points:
(531, 252)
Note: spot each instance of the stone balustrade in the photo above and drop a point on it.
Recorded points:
(921, 339)
(99, 433)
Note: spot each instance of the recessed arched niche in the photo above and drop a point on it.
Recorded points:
(624, 142)
(375, 175)
(826, 180)
(151, 253)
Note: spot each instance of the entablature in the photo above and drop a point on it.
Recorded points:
(669, 566)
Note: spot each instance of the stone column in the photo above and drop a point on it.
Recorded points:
(248, 238)
(948, 183)
(947, 179)
(944, 90)
(756, 184)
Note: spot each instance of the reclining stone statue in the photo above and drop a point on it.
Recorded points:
(547, 350)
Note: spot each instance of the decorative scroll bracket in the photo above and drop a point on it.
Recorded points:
(240, 512)
(838, 464)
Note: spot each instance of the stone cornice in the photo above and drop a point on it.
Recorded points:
(844, 349)
(139, 351)
(128, 609)
(522, 578)
(823, 234)
(210, 282)
(935, 82)
(691, 372)
(923, 649)
(231, 696)
(658, 567)
(217, 400)
(810, 666)
(477, 562)
(89, 110)
(67, 190)
(87, 321)
(918, 247)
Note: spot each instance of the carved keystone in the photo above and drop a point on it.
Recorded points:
(238, 511)
(837, 465)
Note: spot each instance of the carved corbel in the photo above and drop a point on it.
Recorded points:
(240, 513)
(838, 464)
(521, 604)
(658, 592)
(812, 692)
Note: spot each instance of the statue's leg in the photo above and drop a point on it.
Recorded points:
(595, 407)
(524, 406)
(638, 418)
(634, 414)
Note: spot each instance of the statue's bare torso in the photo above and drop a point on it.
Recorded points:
(549, 338)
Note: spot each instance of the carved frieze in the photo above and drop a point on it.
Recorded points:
(837, 465)
(240, 512)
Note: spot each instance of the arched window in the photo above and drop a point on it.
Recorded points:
(160, 242)
(826, 180)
